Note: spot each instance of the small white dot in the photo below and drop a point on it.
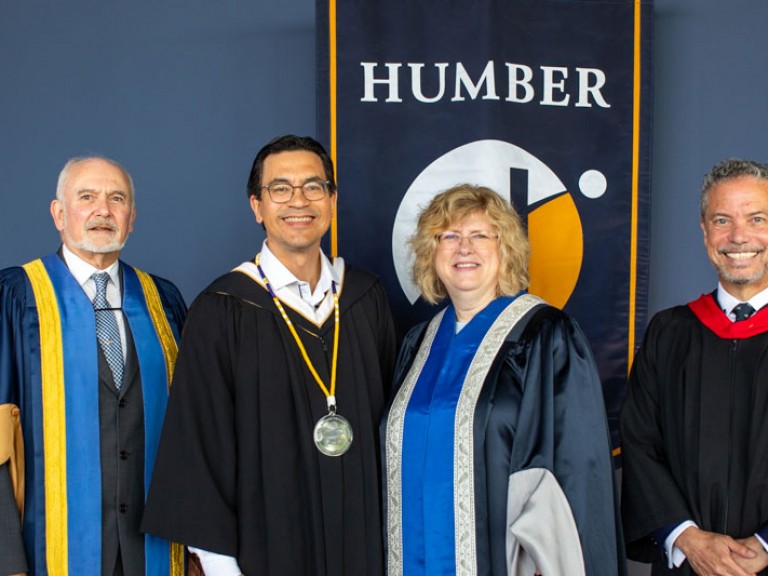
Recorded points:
(593, 184)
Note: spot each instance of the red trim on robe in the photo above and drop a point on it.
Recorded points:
(708, 311)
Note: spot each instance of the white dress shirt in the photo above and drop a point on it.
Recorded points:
(727, 302)
(82, 271)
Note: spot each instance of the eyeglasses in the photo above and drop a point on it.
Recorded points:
(282, 192)
(479, 240)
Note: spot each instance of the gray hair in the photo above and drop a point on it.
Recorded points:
(728, 170)
(64, 175)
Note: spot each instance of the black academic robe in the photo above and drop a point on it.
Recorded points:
(237, 471)
(695, 430)
(540, 414)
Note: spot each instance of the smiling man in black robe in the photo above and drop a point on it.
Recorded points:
(283, 362)
(695, 422)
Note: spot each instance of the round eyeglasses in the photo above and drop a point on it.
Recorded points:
(282, 192)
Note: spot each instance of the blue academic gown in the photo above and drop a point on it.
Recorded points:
(537, 410)
(21, 384)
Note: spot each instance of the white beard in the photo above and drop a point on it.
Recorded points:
(88, 246)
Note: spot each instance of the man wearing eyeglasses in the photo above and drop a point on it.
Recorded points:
(268, 462)
(87, 345)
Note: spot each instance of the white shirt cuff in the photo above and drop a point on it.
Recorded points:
(762, 542)
(217, 564)
(675, 556)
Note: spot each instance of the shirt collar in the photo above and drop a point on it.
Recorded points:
(727, 301)
(280, 277)
(82, 270)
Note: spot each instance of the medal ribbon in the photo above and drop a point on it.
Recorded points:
(329, 394)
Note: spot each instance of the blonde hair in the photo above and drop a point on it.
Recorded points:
(454, 205)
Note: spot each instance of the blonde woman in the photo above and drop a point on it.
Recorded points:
(496, 451)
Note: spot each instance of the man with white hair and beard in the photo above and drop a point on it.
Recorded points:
(87, 346)
(695, 422)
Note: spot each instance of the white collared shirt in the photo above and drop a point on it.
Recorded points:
(82, 271)
(315, 305)
(280, 277)
(727, 301)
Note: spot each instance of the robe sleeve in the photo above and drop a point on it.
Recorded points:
(651, 498)
(192, 496)
(563, 429)
(539, 522)
(12, 308)
(12, 319)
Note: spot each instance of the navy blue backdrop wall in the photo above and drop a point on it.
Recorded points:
(183, 93)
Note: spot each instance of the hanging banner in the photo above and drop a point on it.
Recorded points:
(546, 102)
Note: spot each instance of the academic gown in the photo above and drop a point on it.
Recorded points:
(695, 428)
(541, 489)
(21, 384)
(237, 471)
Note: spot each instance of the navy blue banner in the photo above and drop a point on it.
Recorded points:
(546, 102)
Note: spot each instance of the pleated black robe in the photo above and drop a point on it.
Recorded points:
(237, 471)
(695, 428)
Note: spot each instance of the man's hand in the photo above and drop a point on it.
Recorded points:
(711, 554)
(759, 562)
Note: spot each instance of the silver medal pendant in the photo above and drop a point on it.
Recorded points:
(333, 434)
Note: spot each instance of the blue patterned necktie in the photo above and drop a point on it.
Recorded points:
(107, 331)
(743, 311)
